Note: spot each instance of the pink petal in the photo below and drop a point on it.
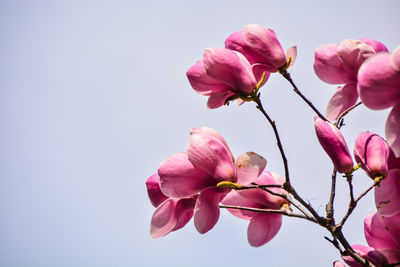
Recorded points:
(292, 53)
(344, 98)
(154, 191)
(179, 178)
(376, 234)
(184, 211)
(218, 99)
(387, 195)
(163, 219)
(265, 42)
(249, 166)
(262, 197)
(202, 83)
(214, 133)
(329, 68)
(260, 69)
(395, 59)
(392, 130)
(171, 215)
(332, 141)
(353, 53)
(377, 46)
(210, 155)
(229, 67)
(206, 211)
(367, 253)
(393, 161)
(236, 42)
(392, 225)
(235, 199)
(372, 152)
(392, 255)
(262, 228)
(338, 264)
(379, 83)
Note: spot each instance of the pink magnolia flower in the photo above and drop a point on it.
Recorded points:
(383, 234)
(171, 213)
(263, 226)
(339, 64)
(387, 194)
(332, 141)
(372, 152)
(379, 80)
(262, 48)
(207, 162)
(392, 130)
(221, 74)
(368, 253)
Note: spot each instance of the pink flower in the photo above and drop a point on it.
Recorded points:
(387, 194)
(368, 253)
(207, 162)
(392, 130)
(379, 80)
(263, 226)
(383, 234)
(221, 74)
(339, 64)
(171, 213)
(262, 48)
(332, 141)
(372, 152)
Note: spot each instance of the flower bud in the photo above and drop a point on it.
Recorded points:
(372, 152)
(333, 143)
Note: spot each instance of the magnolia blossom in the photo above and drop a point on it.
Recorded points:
(339, 64)
(379, 80)
(207, 162)
(383, 234)
(263, 226)
(332, 141)
(171, 213)
(262, 48)
(221, 74)
(372, 152)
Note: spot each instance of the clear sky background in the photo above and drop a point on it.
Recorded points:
(93, 96)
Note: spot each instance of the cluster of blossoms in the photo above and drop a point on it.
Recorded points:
(207, 177)
(192, 183)
(370, 72)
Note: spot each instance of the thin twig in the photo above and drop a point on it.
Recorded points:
(344, 113)
(297, 91)
(278, 139)
(254, 185)
(283, 212)
(352, 207)
(335, 243)
(289, 199)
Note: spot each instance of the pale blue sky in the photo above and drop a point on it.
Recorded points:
(93, 96)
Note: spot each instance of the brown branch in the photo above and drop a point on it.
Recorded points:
(286, 75)
(330, 219)
(344, 113)
(282, 212)
(355, 201)
(278, 139)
